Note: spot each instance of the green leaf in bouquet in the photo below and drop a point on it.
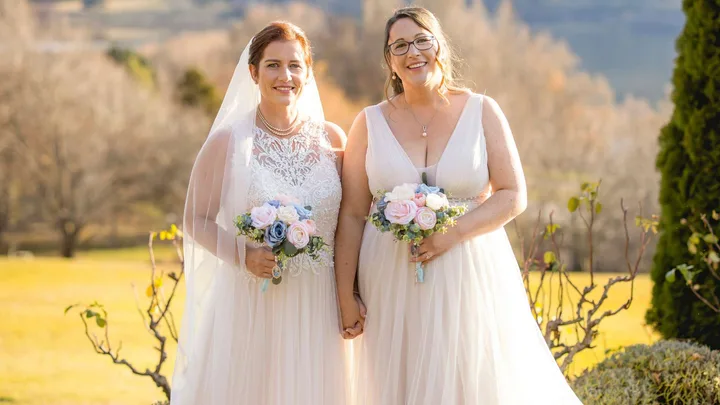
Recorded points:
(289, 249)
(414, 228)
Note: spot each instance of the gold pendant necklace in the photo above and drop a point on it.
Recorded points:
(424, 126)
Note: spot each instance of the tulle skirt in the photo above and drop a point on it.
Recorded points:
(281, 347)
(464, 336)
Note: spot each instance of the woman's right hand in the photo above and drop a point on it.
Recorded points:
(259, 261)
(352, 314)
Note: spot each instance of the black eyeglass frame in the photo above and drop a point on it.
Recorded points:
(413, 43)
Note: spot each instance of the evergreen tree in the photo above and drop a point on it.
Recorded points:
(689, 161)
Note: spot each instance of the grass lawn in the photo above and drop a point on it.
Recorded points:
(45, 357)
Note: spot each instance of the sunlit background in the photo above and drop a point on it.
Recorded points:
(105, 103)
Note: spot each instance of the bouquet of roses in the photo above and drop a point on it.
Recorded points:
(286, 227)
(413, 212)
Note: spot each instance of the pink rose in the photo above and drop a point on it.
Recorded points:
(426, 218)
(299, 234)
(400, 212)
(419, 199)
(263, 216)
(312, 228)
(285, 199)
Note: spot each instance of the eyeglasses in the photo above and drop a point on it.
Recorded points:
(401, 47)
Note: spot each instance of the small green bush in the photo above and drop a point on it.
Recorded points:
(667, 372)
(614, 386)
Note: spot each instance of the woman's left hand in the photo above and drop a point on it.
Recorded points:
(435, 245)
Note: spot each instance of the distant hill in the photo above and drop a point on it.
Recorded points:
(631, 42)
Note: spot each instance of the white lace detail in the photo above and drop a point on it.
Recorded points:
(302, 166)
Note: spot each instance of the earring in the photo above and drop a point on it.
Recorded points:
(394, 76)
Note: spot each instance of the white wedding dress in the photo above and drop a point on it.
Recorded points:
(466, 335)
(284, 347)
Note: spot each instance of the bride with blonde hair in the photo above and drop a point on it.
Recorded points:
(464, 336)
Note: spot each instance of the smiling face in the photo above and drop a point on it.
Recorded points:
(281, 72)
(417, 67)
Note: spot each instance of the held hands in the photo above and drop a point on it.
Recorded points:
(259, 261)
(435, 245)
(353, 314)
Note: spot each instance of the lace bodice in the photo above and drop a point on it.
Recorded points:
(302, 166)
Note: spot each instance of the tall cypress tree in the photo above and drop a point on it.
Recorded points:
(689, 161)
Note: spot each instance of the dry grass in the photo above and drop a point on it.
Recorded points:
(46, 359)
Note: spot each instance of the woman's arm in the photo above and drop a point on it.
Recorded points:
(354, 207)
(338, 141)
(509, 193)
(204, 194)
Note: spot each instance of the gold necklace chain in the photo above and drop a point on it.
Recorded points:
(424, 126)
(278, 131)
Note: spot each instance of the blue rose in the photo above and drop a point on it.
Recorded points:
(303, 212)
(425, 189)
(275, 233)
(382, 204)
(274, 203)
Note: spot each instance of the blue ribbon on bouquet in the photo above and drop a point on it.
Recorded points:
(419, 269)
(277, 277)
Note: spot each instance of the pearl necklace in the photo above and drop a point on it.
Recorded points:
(277, 131)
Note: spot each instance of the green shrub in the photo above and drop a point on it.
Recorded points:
(668, 372)
(614, 386)
(689, 161)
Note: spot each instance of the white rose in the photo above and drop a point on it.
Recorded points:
(402, 192)
(288, 214)
(436, 202)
